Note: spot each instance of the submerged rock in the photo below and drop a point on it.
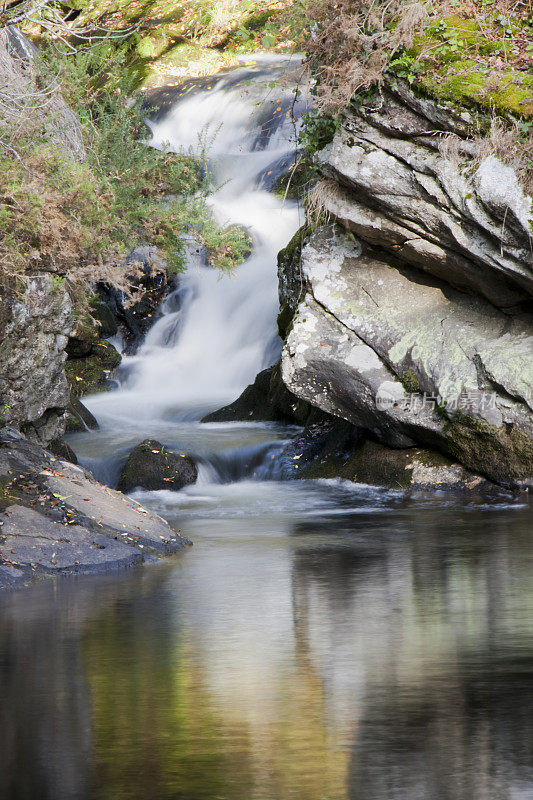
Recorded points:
(56, 518)
(151, 466)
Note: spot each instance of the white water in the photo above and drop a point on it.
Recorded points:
(203, 355)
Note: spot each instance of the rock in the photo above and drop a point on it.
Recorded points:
(34, 329)
(390, 185)
(90, 375)
(61, 449)
(136, 312)
(368, 322)
(265, 400)
(373, 463)
(61, 126)
(151, 466)
(79, 418)
(56, 518)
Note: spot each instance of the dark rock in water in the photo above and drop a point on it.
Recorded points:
(62, 450)
(266, 400)
(151, 466)
(79, 418)
(335, 454)
(136, 312)
(90, 375)
(56, 518)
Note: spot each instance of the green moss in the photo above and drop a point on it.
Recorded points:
(449, 61)
(409, 381)
(89, 375)
(7, 497)
(503, 454)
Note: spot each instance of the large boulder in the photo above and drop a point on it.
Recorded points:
(56, 518)
(152, 466)
(410, 359)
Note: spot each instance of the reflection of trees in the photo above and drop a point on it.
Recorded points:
(157, 734)
(45, 736)
(469, 738)
(414, 603)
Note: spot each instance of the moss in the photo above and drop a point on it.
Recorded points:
(7, 497)
(504, 454)
(370, 463)
(89, 375)
(452, 64)
(409, 381)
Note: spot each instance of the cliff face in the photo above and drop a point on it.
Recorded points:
(410, 306)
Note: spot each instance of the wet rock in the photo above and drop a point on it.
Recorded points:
(56, 518)
(152, 466)
(373, 463)
(265, 400)
(79, 418)
(61, 449)
(137, 311)
(90, 375)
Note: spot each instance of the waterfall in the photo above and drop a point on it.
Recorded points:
(219, 330)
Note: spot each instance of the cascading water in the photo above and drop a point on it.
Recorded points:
(204, 354)
(217, 330)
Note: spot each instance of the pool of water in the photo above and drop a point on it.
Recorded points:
(325, 643)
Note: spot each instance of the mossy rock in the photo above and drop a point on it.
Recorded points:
(504, 454)
(375, 464)
(295, 183)
(151, 466)
(106, 322)
(7, 498)
(290, 280)
(90, 375)
(451, 59)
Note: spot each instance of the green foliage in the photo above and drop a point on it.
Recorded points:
(65, 216)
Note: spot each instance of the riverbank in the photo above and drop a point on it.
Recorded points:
(55, 518)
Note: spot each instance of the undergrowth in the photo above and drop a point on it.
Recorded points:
(468, 54)
(78, 217)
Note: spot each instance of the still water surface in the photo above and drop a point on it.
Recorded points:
(328, 644)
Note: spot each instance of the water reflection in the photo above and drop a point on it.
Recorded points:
(362, 657)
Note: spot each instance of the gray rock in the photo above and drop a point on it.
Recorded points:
(152, 466)
(392, 187)
(34, 327)
(55, 517)
(369, 325)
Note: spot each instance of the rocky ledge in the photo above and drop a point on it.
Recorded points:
(408, 313)
(56, 518)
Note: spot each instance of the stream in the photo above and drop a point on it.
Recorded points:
(321, 640)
